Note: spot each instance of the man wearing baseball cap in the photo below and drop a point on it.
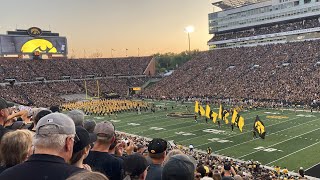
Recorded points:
(135, 167)
(99, 158)
(82, 147)
(178, 167)
(53, 145)
(157, 152)
(4, 113)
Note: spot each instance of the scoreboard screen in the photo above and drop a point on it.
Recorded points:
(15, 44)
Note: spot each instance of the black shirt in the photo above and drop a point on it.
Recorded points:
(3, 131)
(154, 172)
(3, 168)
(41, 167)
(106, 164)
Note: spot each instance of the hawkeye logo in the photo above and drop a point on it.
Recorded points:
(277, 117)
(38, 45)
(34, 31)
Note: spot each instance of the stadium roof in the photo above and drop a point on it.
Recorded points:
(230, 4)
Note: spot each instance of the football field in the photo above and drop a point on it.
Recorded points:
(292, 139)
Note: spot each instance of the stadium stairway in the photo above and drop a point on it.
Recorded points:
(150, 82)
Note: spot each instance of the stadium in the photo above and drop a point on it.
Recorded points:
(247, 108)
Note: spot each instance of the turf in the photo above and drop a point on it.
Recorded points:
(292, 141)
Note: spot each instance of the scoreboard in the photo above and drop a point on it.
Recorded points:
(32, 41)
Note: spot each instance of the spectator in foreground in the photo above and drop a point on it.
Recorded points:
(203, 173)
(4, 113)
(135, 167)
(53, 146)
(178, 167)
(216, 175)
(15, 148)
(82, 148)
(99, 158)
(55, 108)
(228, 171)
(37, 116)
(172, 153)
(77, 116)
(157, 153)
(89, 125)
(88, 175)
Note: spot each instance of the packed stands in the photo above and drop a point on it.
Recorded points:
(269, 29)
(32, 93)
(27, 70)
(63, 77)
(287, 72)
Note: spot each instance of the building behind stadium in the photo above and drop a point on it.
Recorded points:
(259, 22)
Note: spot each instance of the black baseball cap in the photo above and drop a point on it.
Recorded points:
(157, 145)
(134, 165)
(4, 104)
(84, 139)
(41, 114)
(179, 166)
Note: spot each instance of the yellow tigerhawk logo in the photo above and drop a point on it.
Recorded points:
(277, 117)
(35, 31)
(260, 127)
(40, 45)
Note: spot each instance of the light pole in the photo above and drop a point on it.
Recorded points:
(111, 53)
(189, 30)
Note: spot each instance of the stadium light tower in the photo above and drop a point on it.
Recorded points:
(189, 29)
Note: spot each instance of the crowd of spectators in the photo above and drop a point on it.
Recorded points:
(47, 94)
(269, 29)
(66, 146)
(51, 69)
(285, 72)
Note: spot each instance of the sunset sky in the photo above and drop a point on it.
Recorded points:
(101, 25)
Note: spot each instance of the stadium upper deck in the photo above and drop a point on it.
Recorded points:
(250, 24)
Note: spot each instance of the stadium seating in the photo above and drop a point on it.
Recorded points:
(26, 70)
(48, 94)
(286, 72)
(267, 29)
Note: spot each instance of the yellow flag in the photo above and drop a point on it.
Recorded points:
(241, 123)
(202, 111)
(196, 107)
(220, 112)
(208, 111)
(234, 116)
(226, 114)
(214, 117)
(259, 127)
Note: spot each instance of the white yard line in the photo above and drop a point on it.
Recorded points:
(125, 122)
(280, 142)
(292, 153)
(141, 119)
(250, 131)
(311, 167)
(174, 129)
(170, 129)
(206, 134)
(267, 135)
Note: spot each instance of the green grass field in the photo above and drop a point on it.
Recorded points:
(291, 141)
